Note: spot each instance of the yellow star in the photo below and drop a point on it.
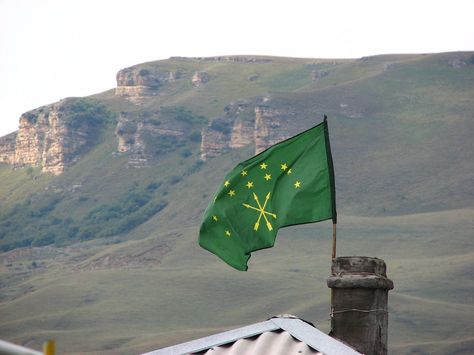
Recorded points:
(227, 233)
(215, 218)
(289, 172)
(231, 193)
(263, 166)
(227, 183)
(250, 184)
(297, 184)
(244, 173)
(267, 177)
(284, 166)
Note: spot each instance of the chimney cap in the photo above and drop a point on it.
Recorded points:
(359, 272)
(358, 265)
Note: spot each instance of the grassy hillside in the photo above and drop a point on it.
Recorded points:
(147, 293)
(114, 257)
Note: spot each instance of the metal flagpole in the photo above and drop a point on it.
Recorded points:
(333, 240)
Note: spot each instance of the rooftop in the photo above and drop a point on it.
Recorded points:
(280, 335)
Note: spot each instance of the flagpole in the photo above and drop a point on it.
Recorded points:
(333, 240)
(333, 189)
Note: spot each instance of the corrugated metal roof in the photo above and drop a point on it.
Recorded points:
(277, 342)
(284, 335)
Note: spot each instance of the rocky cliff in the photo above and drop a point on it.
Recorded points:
(147, 135)
(232, 130)
(246, 122)
(200, 78)
(271, 127)
(136, 82)
(53, 136)
(144, 136)
(56, 136)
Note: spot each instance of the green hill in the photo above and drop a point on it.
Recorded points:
(103, 257)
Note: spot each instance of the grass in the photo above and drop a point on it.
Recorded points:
(130, 309)
(18, 184)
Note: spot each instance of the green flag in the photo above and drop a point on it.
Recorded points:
(291, 182)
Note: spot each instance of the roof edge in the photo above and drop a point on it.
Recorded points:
(211, 341)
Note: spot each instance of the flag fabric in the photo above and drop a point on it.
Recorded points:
(292, 182)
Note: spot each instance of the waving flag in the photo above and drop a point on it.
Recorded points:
(290, 183)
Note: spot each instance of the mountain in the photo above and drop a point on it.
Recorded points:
(101, 198)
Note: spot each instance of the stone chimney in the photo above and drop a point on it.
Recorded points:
(359, 294)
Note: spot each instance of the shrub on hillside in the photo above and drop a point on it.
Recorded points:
(195, 137)
(195, 167)
(186, 153)
(86, 111)
(180, 113)
(220, 126)
(46, 238)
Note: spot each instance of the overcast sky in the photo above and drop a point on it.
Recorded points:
(51, 49)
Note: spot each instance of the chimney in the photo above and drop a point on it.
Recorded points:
(359, 294)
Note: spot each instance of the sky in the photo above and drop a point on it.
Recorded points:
(52, 49)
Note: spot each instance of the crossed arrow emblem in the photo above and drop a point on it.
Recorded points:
(262, 211)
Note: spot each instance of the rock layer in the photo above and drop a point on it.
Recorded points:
(234, 129)
(269, 127)
(144, 137)
(200, 78)
(136, 83)
(47, 138)
(244, 123)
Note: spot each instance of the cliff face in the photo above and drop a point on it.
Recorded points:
(143, 137)
(134, 83)
(130, 140)
(52, 138)
(270, 127)
(47, 137)
(200, 78)
(232, 130)
(215, 138)
(244, 123)
(242, 133)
